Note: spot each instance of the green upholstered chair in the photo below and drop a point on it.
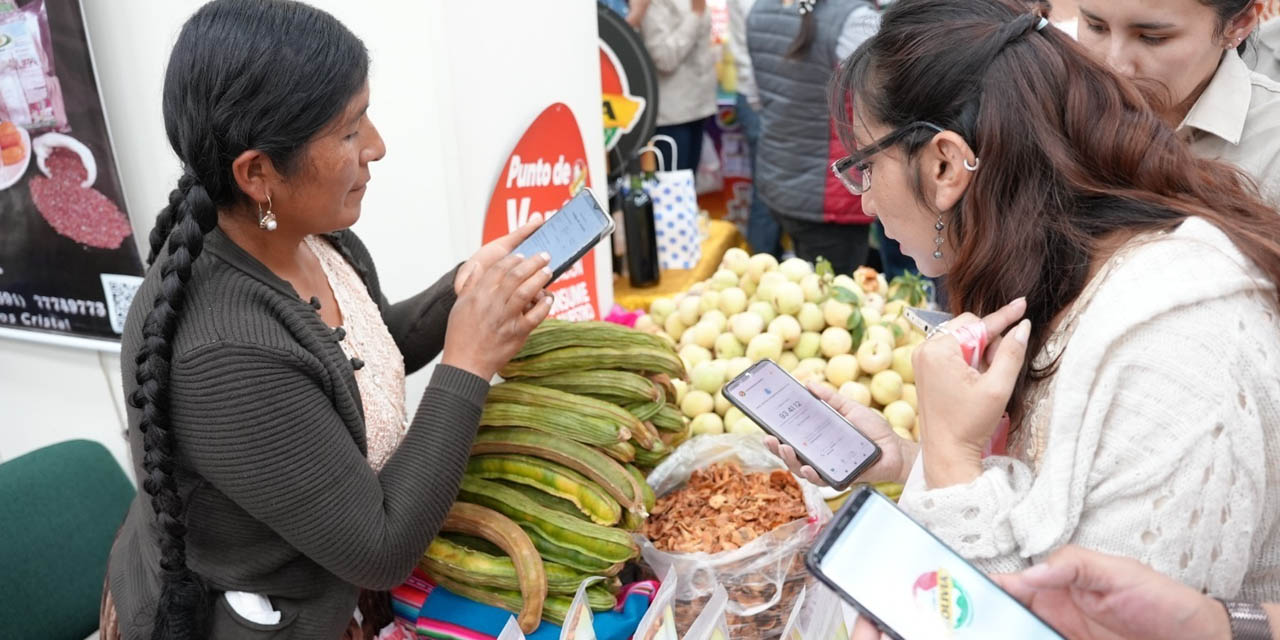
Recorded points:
(60, 507)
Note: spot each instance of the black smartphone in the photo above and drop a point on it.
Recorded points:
(821, 437)
(569, 233)
(910, 584)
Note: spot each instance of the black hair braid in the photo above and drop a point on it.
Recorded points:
(181, 609)
(168, 217)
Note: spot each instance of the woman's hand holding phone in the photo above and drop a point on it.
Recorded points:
(501, 298)
(489, 254)
(896, 454)
(960, 406)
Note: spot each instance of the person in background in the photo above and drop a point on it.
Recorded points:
(763, 233)
(281, 475)
(1193, 49)
(677, 34)
(618, 6)
(1126, 287)
(794, 47)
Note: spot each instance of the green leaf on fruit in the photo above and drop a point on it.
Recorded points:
(846, 296)
(910, 287)
(897, 330)
(824, 269)
(857, 326)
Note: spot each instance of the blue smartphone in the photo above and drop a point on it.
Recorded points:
(909, 583)
(569, 233)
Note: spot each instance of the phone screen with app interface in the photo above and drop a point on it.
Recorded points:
(821, 437)
(895, 570)
(569, 233)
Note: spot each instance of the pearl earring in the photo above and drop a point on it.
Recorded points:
(266, 221)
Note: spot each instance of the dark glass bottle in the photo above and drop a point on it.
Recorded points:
(618, 241)
(641, 241)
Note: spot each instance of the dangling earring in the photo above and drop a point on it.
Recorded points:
(266, 221)
(937, 254)
(974, 166)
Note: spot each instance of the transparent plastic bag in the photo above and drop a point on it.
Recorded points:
(579, 624)
(818, 614)
(711, 623)
(762, 577)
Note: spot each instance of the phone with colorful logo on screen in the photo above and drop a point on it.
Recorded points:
(911, 584)
(821, 437)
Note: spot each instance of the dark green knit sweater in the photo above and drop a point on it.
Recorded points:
(271, 449)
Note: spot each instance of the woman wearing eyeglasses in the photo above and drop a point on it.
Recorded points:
(1124, 290)
(794, 45)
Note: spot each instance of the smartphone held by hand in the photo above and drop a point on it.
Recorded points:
(909, 583)
(569, 233)
(820, 436)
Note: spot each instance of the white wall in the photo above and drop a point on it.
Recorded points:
(453, 84)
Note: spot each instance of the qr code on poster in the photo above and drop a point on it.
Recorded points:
(119, 291)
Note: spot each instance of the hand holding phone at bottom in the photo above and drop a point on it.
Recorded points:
(1093, 596)
(896, 454)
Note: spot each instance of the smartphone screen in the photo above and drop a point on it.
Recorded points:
(822, 437)
(569, 233)
(892, 568)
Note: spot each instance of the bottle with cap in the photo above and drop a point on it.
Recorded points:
(640, 239)
(615, 211)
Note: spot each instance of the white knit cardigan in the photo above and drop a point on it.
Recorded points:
(1164, 439)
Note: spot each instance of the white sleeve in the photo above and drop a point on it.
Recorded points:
(859, 26)
(737, 45)
(670, 37)
(1166, 462)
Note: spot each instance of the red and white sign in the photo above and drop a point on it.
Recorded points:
(547, 167)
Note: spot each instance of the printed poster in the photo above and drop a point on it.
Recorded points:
(68, 260)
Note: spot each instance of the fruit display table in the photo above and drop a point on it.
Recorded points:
(721, 236)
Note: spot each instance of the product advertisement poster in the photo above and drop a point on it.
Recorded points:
(546, 169)
(68, 261)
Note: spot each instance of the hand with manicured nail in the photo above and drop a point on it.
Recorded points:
(960, 406)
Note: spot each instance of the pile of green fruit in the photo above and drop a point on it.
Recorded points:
(553, 477)
(843, 331)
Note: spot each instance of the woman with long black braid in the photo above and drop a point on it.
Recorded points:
(264, 368)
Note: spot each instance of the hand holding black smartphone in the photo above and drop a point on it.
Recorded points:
(821, 437)
(569, 233)
(910, 584)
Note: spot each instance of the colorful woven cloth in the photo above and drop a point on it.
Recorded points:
(440, 614)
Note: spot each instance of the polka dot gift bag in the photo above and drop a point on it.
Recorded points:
(675, 213)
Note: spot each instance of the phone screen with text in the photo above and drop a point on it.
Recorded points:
(915, 584)
(568, 233)
(785, 408)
